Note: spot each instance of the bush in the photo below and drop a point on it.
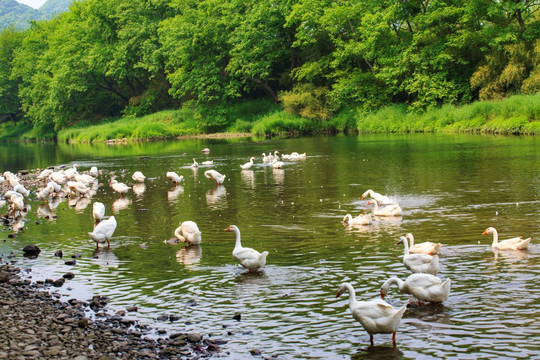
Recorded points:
(307, 101)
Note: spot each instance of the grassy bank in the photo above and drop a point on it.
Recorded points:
(518, 114)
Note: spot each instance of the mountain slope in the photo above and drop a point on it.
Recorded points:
(20, 15)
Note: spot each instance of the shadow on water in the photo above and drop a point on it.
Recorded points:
(377, 353)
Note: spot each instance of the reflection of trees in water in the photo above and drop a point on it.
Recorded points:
(173, 194)
(139, 189)
(190, 256)
(120, 204)
(216, 198)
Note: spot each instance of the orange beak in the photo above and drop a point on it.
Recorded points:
(228, 228)
(337, 294)
(382, 295)
(363, 197)
(485, 232)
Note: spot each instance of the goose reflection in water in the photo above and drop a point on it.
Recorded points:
(104, 257)
(378, 353)
(18, 225)
(81, 204)
(139, 189)
(55, 202)
(216, 197)
(45, 211)
(248, 178)
(279, 176)
(190, 256)
(172, 195)
(120, 204)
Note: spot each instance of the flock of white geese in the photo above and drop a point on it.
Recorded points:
(375, 316)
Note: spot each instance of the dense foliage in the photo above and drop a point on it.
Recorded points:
(319, 58)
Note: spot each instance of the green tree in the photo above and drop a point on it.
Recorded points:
(10, 40)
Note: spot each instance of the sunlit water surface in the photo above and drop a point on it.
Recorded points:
(450, 188)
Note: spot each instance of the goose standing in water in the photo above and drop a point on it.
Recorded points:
(188, 231)
(376, 316)
(138, 177)
(195, 164)
(119, 187)
(517, 243)
(98, 212)
(426, 247)
(214, 175)
(175, 179)
(247, 257)
(419, 263)
(103, 232)
(424, 287)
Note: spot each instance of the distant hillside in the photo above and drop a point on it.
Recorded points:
(20, 15)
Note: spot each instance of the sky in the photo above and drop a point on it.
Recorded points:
(33, 3)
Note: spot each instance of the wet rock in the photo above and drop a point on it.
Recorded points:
(59, 254)
(83, 322)
(68, 275)
(121, 313)
(191, 303)
(31, 250)
(132, 309)
(177, 335)
(4, 276)
(71, 262)
(59, 282)
(255, 352)
(162, 318)
(173, 317)
(77, 255)
(237, 317)
(194, 337)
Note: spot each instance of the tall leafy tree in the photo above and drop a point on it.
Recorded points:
(10, 40)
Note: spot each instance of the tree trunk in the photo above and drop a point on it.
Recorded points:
(266, 88)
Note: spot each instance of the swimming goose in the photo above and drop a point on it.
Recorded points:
(277, 164)
(359, 220)
(426, 247)
(248, 164)
(195, 164)
(419, 263)
(376, 316)
(388, 210)
(380, 199)
(188, 231)
(214, 175)
(424, 287)
(247, 257)
(517, 243)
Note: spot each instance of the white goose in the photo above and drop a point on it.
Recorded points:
(93, 171)
(247, 257)
(265, 159)
(175, 179)
(214, 175)
(277, 164)
(380, 199)
(359, 220)
(98, 211)
(247, 165)
(44, 174)
(424, 287)
(21, 190)
(517, 243)
(388, 210)
(104, 231)
(78, 187)
(195, 164)
(419, 263)
(119, 187)
(376, 316)
(426, 247)
(188, 231)
(138, 177)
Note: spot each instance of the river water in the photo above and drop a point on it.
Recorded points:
(450, 187)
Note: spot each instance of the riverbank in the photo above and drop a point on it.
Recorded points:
(34, 324)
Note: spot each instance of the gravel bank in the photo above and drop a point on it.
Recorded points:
(36, 325)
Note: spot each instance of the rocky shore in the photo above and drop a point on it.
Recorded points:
(36, 325)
